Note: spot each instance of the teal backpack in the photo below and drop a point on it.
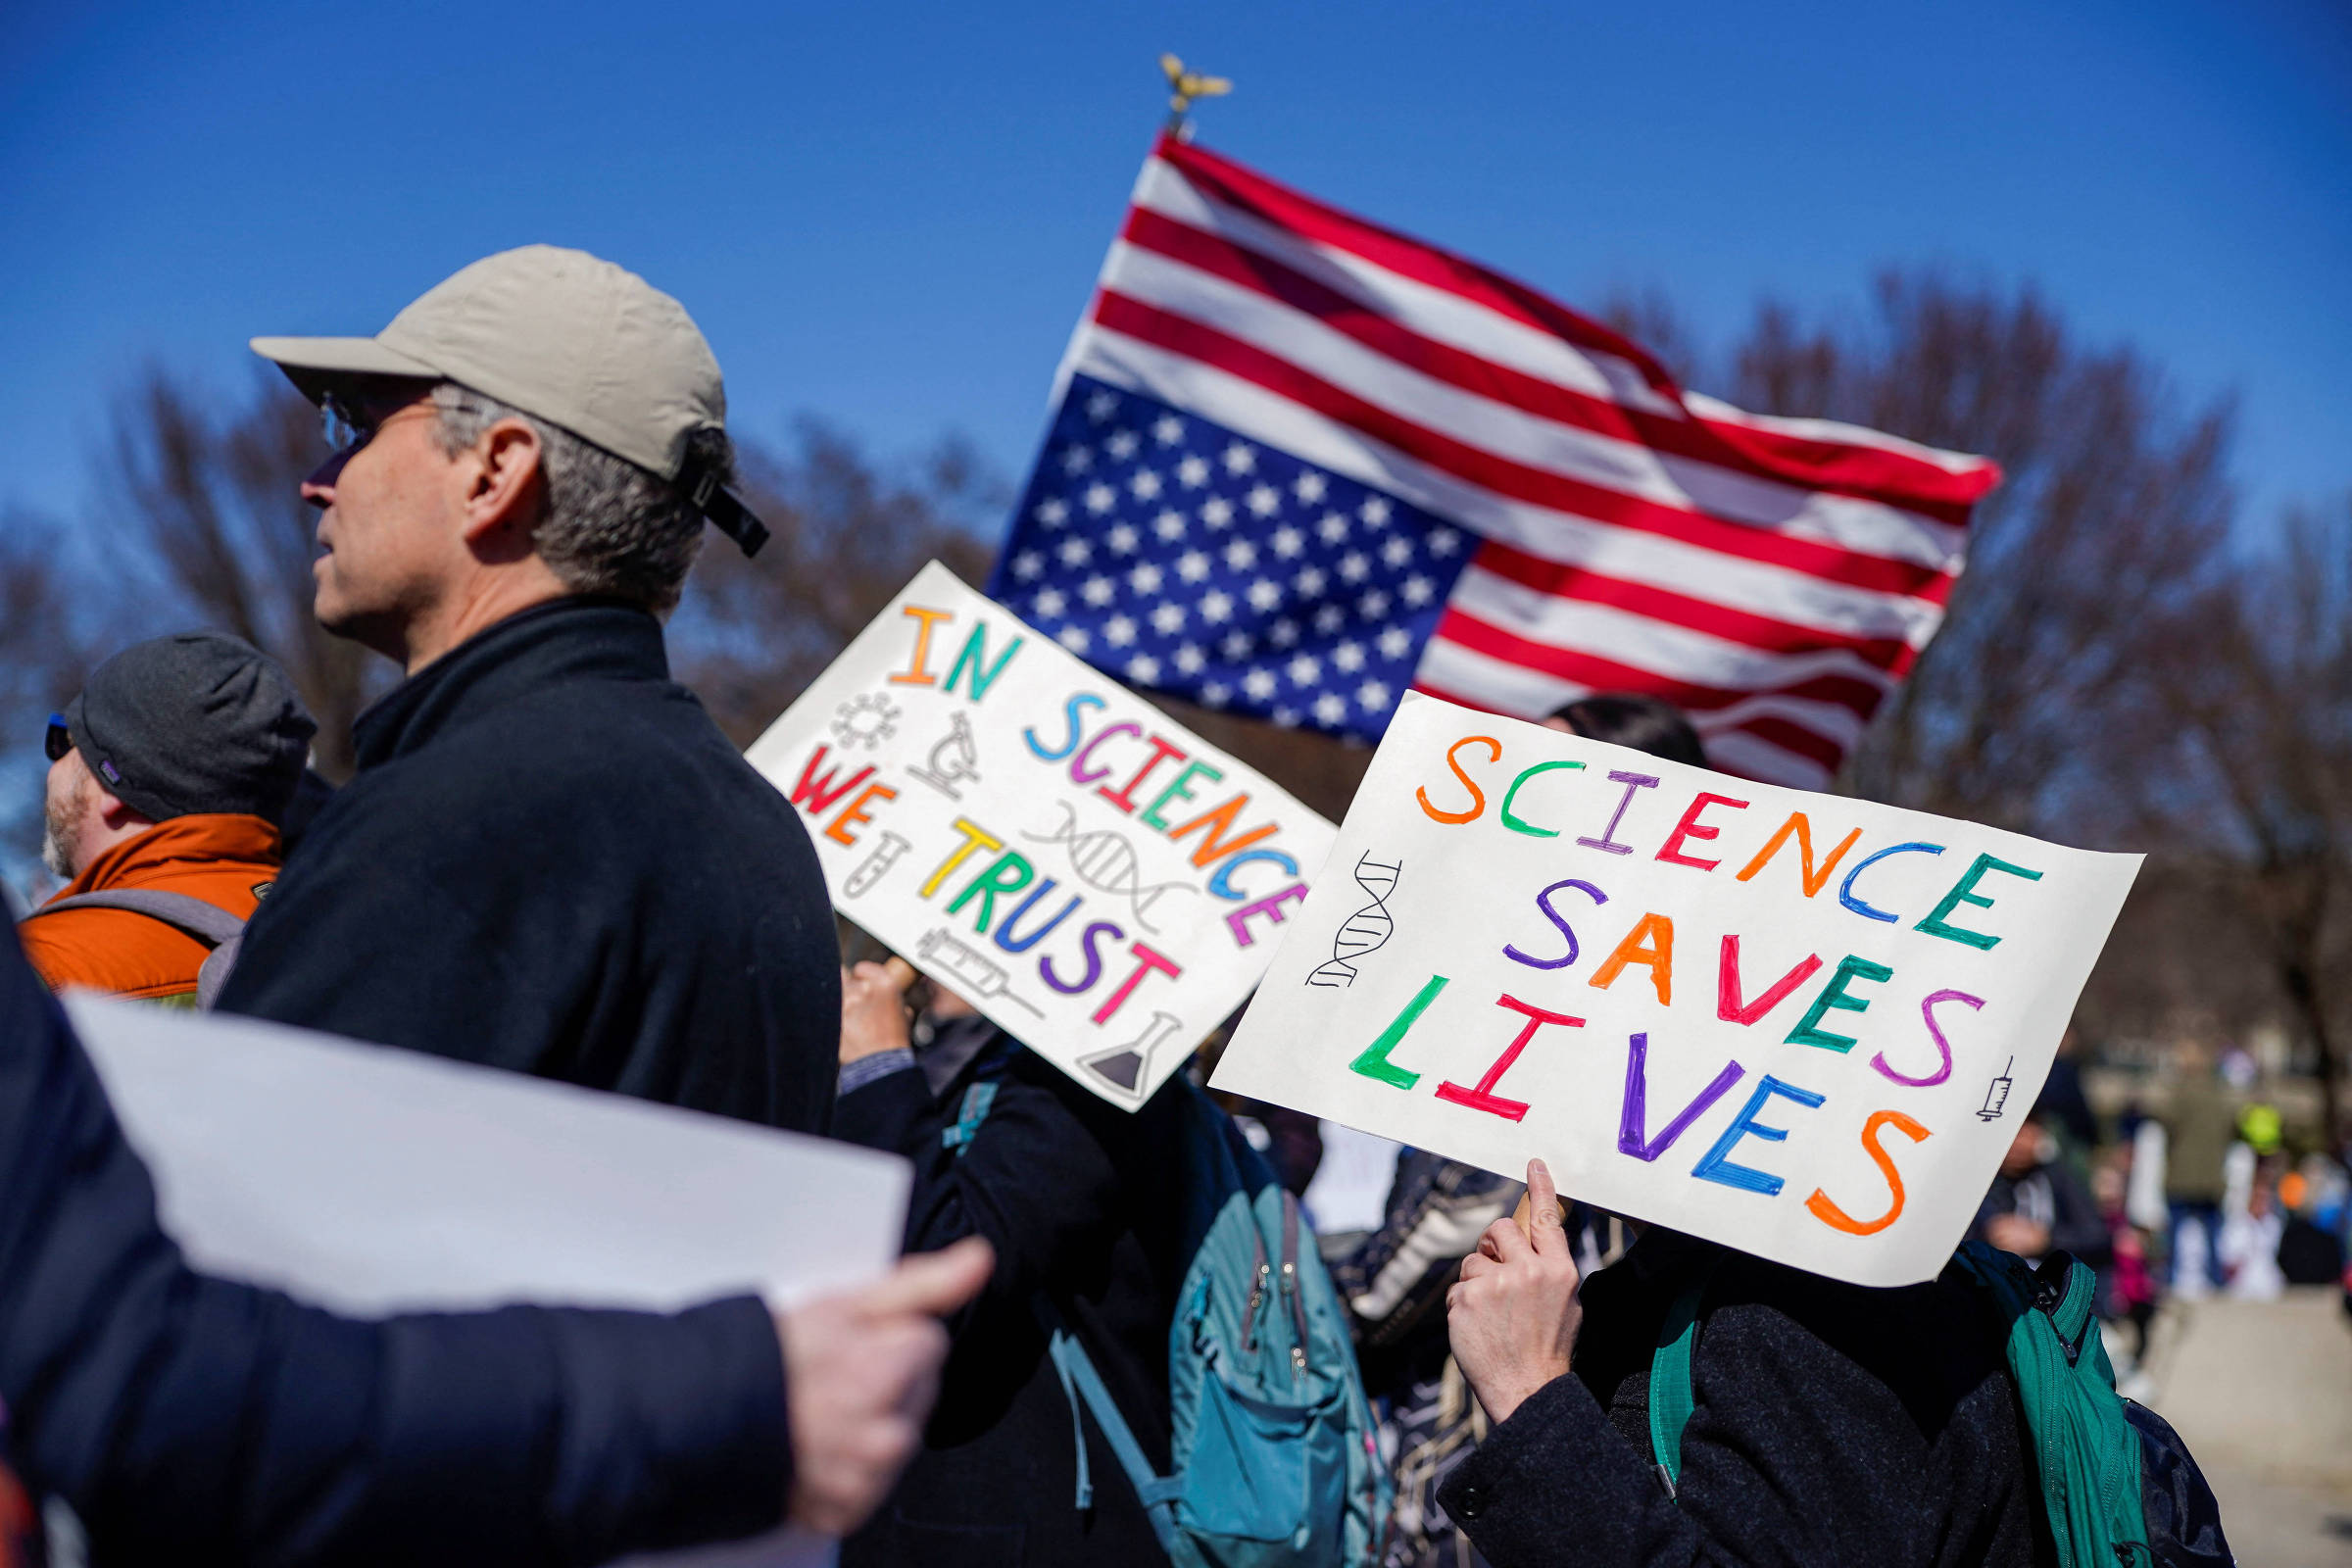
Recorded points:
(1275, 1458)
(2118, 1485)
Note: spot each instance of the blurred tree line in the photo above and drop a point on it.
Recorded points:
(2128, 663)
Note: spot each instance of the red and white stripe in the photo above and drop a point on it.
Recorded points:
(1773, 577)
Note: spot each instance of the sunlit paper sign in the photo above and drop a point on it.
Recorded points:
(1093, 877)
(372, 1181)
(1801, 1025)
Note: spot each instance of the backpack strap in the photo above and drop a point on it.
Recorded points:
(1080, 1381)
(1670, 1401)
(1290, 1284)
(208, 923)
(977, 1098)
(215, 974)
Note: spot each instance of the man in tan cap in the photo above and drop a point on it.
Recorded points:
(551, 860)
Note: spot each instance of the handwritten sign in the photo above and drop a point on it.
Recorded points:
(1097, 880)
(1797, 1024)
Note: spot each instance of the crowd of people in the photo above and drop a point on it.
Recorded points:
(549, 861)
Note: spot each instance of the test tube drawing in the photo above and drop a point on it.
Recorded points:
(1996, 1095)
(869, 870)
(977, 973)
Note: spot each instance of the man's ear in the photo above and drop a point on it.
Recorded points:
(505, 486)
(114, 813)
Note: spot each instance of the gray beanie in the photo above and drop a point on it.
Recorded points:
(192, 722)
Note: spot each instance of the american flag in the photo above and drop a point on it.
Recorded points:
(1300, 462)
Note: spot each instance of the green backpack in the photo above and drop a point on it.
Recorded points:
(2090, 1444)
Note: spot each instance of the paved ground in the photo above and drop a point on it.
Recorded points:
(2262, 1394)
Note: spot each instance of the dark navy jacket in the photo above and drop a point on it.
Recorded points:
(1080, 1200)
(1837, 1426)
(552, 861)
(192, 1421)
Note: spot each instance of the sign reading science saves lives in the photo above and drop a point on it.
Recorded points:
(1096, 879)
(1801, 1025)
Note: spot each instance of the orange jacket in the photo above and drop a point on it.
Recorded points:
(226, 860)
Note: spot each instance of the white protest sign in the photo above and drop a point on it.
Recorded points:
(1801, 1025)
(372, 1181)
(1097, 880)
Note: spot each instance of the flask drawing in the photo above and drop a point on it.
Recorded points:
(1365, 931)
(1122, 1066)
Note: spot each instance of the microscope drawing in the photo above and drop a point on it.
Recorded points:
(954, 761)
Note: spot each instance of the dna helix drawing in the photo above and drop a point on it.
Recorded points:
(1106, 862)
(1367, 929)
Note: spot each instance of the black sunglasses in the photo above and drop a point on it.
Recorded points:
(60, 739)
(346, 428)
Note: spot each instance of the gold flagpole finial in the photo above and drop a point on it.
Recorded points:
(1185, 87)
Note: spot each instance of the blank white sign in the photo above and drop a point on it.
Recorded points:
(373, 1181)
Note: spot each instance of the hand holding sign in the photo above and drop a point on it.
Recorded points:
(863, 1370)
(1513, 1316)
(1792, 1023)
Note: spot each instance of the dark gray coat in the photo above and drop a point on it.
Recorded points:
(1837, 1426)
(551, 861)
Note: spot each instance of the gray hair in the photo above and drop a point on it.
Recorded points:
(608, 528)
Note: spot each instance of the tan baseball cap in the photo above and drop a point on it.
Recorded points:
(564, 336)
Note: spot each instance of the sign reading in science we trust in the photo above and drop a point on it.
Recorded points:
(1801, 1025)
(1094, 878)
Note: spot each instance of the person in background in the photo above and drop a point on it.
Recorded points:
(167, 779)
(1395, 1279)
(2199, 1126)
(1834, 1424)
(187, 1419)
(1080, 1200)
(2064, 1106)
(549, 859)
(2036, 1206)
(2127, 1286)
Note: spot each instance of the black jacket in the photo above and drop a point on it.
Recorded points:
(192, 1421)
(1081, 1202)
(551, 861)
(1837, 1426)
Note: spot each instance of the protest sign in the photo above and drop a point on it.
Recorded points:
(370, 1179)
(1091, 876)
(1801, 1025)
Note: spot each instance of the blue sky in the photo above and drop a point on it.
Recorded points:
(889, 215)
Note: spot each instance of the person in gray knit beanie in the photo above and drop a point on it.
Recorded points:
(196, 722)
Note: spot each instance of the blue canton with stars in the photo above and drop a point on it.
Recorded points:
(1178, 555)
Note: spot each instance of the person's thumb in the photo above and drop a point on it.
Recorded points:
(1544, 1230)
(933, 1283)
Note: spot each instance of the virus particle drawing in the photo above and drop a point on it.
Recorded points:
(866, 720)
